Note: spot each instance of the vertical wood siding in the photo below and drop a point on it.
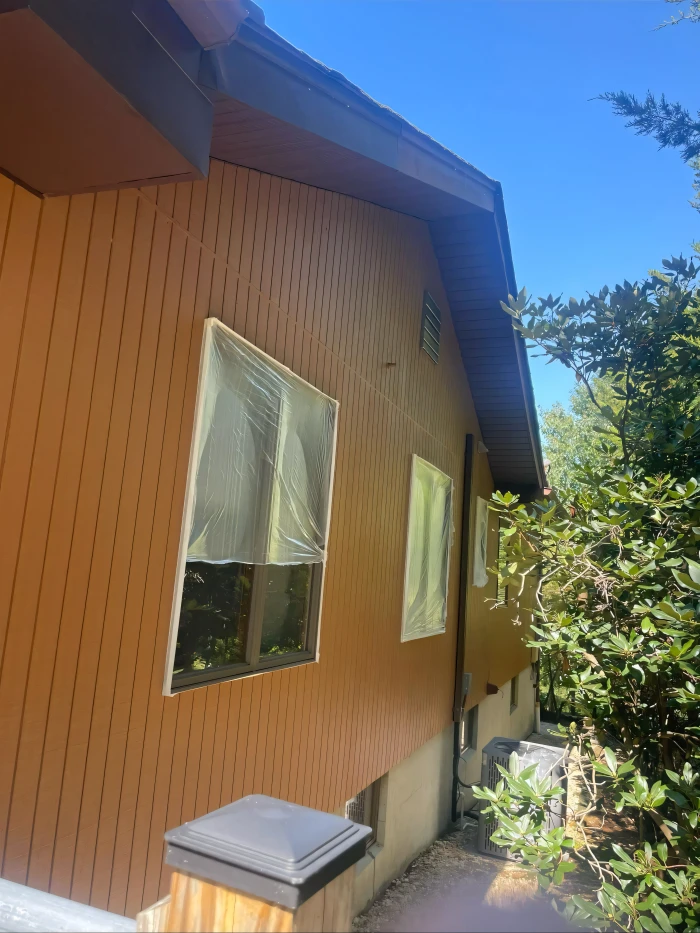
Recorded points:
(102, 299)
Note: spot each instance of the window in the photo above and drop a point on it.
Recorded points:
(502, 595)
(480, 575)
(470, 730)
(364, 808)
(513, 694)
(430, 328)
(428, 551)
(256, 521)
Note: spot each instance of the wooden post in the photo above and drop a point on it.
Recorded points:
(263, 865)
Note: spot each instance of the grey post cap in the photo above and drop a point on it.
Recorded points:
(267, 848)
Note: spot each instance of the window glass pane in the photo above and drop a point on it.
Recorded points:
(214, 617)
(472, 726)
(286, 610)
(263, 459)
(428, 551)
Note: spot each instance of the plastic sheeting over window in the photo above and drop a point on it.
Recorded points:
(481, 540)
(263, 459)
(428, 552)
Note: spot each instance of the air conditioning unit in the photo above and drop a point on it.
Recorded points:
(550, 762)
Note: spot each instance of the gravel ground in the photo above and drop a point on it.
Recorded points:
(451, 888)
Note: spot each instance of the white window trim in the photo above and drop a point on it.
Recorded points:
(204, 357)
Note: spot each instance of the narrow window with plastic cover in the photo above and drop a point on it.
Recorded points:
(480, 576)
(502, 595)
(428, 552)
(255, 528)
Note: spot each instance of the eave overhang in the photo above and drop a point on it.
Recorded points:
(279, 111)
(90, 99)
(120, 93)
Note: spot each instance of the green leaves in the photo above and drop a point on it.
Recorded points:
(610, 561)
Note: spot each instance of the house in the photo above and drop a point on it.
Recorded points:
(256, 387)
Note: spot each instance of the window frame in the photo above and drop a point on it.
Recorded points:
(514, 690)
(253, 663)
(470, 742)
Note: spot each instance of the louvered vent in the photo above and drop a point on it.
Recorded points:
(430, 328)
(355, 808)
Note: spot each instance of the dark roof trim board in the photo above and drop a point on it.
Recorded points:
(265, 72)
(90, 99)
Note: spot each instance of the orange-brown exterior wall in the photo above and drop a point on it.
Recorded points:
(102, 298)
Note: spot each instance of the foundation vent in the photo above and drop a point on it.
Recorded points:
(355, 808)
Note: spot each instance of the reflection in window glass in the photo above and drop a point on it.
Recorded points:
(286, 611)
(213, 616)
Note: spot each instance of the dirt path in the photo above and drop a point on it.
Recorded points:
(451, 888)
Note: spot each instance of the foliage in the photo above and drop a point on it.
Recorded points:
(571, 436)
(690, 15)
(616, 570)
(695, 164)
(654, 887)
(669, 123)
(643, 340)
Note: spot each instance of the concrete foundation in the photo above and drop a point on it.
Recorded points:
(497, 718)
(415, 797)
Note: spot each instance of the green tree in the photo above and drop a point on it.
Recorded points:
(576, 437)
(669, 123)
(615, 564)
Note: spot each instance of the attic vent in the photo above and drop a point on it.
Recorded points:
(430, 328)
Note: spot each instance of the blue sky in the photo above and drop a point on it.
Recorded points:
(508, 84)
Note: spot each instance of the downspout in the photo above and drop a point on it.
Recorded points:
(462, 616)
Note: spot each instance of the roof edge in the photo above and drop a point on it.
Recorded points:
(520, 348)
(265, 42)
